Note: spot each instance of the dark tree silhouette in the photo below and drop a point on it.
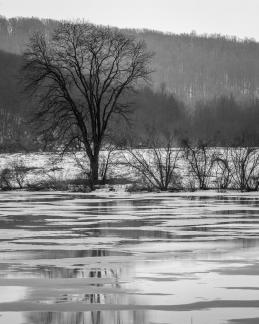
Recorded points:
(79, 77)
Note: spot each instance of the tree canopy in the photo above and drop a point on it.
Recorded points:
(79, 77)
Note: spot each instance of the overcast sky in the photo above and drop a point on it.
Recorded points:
(228, 17)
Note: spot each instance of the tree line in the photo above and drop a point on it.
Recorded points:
(222, 121)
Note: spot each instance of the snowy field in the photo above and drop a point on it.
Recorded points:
(109, 258)
(37, 168)
(50, 166)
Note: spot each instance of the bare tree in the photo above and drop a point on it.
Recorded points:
(222, 168)
(199, 162)
(158, 163)
(245, 168)
(80, 77)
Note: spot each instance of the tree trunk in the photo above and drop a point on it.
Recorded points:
(94, 170)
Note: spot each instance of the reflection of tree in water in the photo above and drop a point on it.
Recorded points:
(55, 318)
(52, 272)
(86, 298)
(92, 317)
(77, 271)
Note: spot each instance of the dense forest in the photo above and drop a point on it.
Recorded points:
(221, 121)
(203, 87)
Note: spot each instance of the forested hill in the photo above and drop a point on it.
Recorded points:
(193, 67)
(10, 93)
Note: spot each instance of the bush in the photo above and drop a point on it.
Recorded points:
(156, 166)
(222, 169)
(199, 164)
(6, 179)
(245, 168)
(15, 175)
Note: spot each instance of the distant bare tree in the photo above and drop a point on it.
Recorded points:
(80, 78)
(222, 168)
(199, 163)
(158, 163)
(245, 168)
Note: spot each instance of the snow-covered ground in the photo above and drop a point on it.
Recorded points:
(47, 166)
(42, 168)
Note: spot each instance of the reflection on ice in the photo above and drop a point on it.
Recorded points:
(11, 294)
(140, 258)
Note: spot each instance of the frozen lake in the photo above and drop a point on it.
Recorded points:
(106, 258)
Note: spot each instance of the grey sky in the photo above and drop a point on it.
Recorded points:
(228, 17)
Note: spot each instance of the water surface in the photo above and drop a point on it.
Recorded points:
(129, 259)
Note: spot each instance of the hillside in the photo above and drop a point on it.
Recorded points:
(13, 106)
(213, 75)
(10, 94)
(193, 67)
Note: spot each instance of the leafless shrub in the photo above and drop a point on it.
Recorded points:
(107, 160)
(19, 171)
(6, 179)
(222, 169)
(245, 168)
(157, 165)
(53, 177)
(199, 163)
(190, 184)
(14, 176)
